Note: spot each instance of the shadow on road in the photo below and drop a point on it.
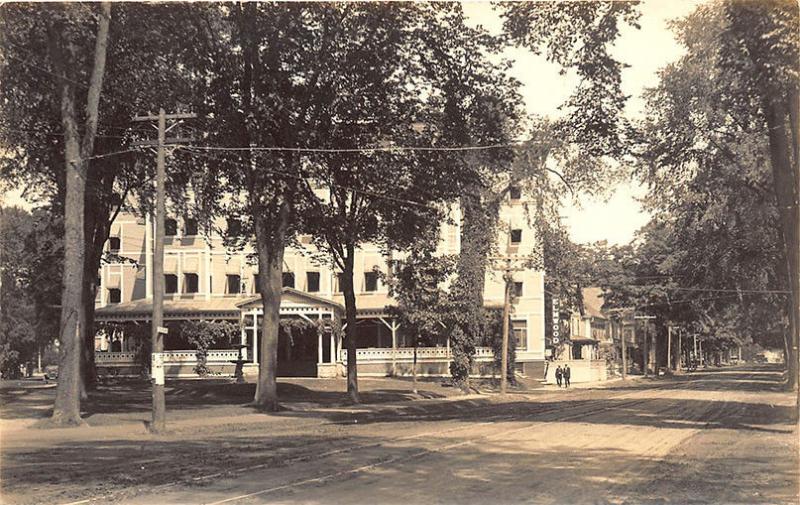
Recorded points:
(26, 399)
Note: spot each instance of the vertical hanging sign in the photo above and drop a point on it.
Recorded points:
(555, 332)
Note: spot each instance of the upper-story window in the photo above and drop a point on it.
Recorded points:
(312, 282)
(170, 227)
(233, 284)
(234, 227)
(518, 289)
(515, 193)
(520, 329)
(190, 226)
(114, 244)
(370, 281)
(516, 236)
(288, 279)
(170, 284)
(191, 283)
(114, 295)
(256, 286)
(340, 282)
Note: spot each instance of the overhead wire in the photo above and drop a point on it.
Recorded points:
(361, 149)
(305, 178)
(37, 132)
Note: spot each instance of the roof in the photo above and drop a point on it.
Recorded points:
(291, 295)
(593, 302)
(219, 307)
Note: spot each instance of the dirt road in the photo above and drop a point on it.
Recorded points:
(723, 436)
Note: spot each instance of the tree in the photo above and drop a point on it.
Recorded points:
(280, 84)
(203, 334)
(760, 47)
(577, 35)
(381, 196)
(137, 78)
(28, 323)
(253, 100)
(416, 284)
(478, 105)
(67, 57)
(718, 171)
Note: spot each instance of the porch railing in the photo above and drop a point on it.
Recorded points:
(170, 357)
(383, 355)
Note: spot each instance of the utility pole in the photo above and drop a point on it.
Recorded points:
(158, 424)
(618, 320)
(700, 344)
(508, 278)
(624, 351)
(669, 347)
(506, 310)
(646, 343)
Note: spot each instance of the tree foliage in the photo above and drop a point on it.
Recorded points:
(716, 253)
(203, 334)
(30, 271)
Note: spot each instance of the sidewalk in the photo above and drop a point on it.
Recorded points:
(22, 433)
(613, 382)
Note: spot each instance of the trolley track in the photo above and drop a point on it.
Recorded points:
(533, 416)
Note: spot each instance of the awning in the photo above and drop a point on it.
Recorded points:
(582, 340)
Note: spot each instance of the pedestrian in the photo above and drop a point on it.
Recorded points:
(566, 376)
(558, 375)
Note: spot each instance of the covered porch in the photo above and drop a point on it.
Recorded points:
(310, 335)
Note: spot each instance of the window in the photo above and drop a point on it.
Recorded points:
(516, 236)
(233, 284)
(113, 244)
(370, 281)
(190, 226)
(518, 289)
(288, 279)
(515, 193)
(170, 283)
(312, 282)
(397, 266)
(114, 295)
(340, 282)
(170, 227)
(256, 287)
(190, 283)
(234, 228)
(520, 329)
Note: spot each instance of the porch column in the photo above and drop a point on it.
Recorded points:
(319, 341)
(333, 341)
(254, 312)
(394, 348)
(242, 336)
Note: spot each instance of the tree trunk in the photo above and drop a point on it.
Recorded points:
(66, 410)
(350, 332)
(270, 274)
(91, 266)
(785, 186)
